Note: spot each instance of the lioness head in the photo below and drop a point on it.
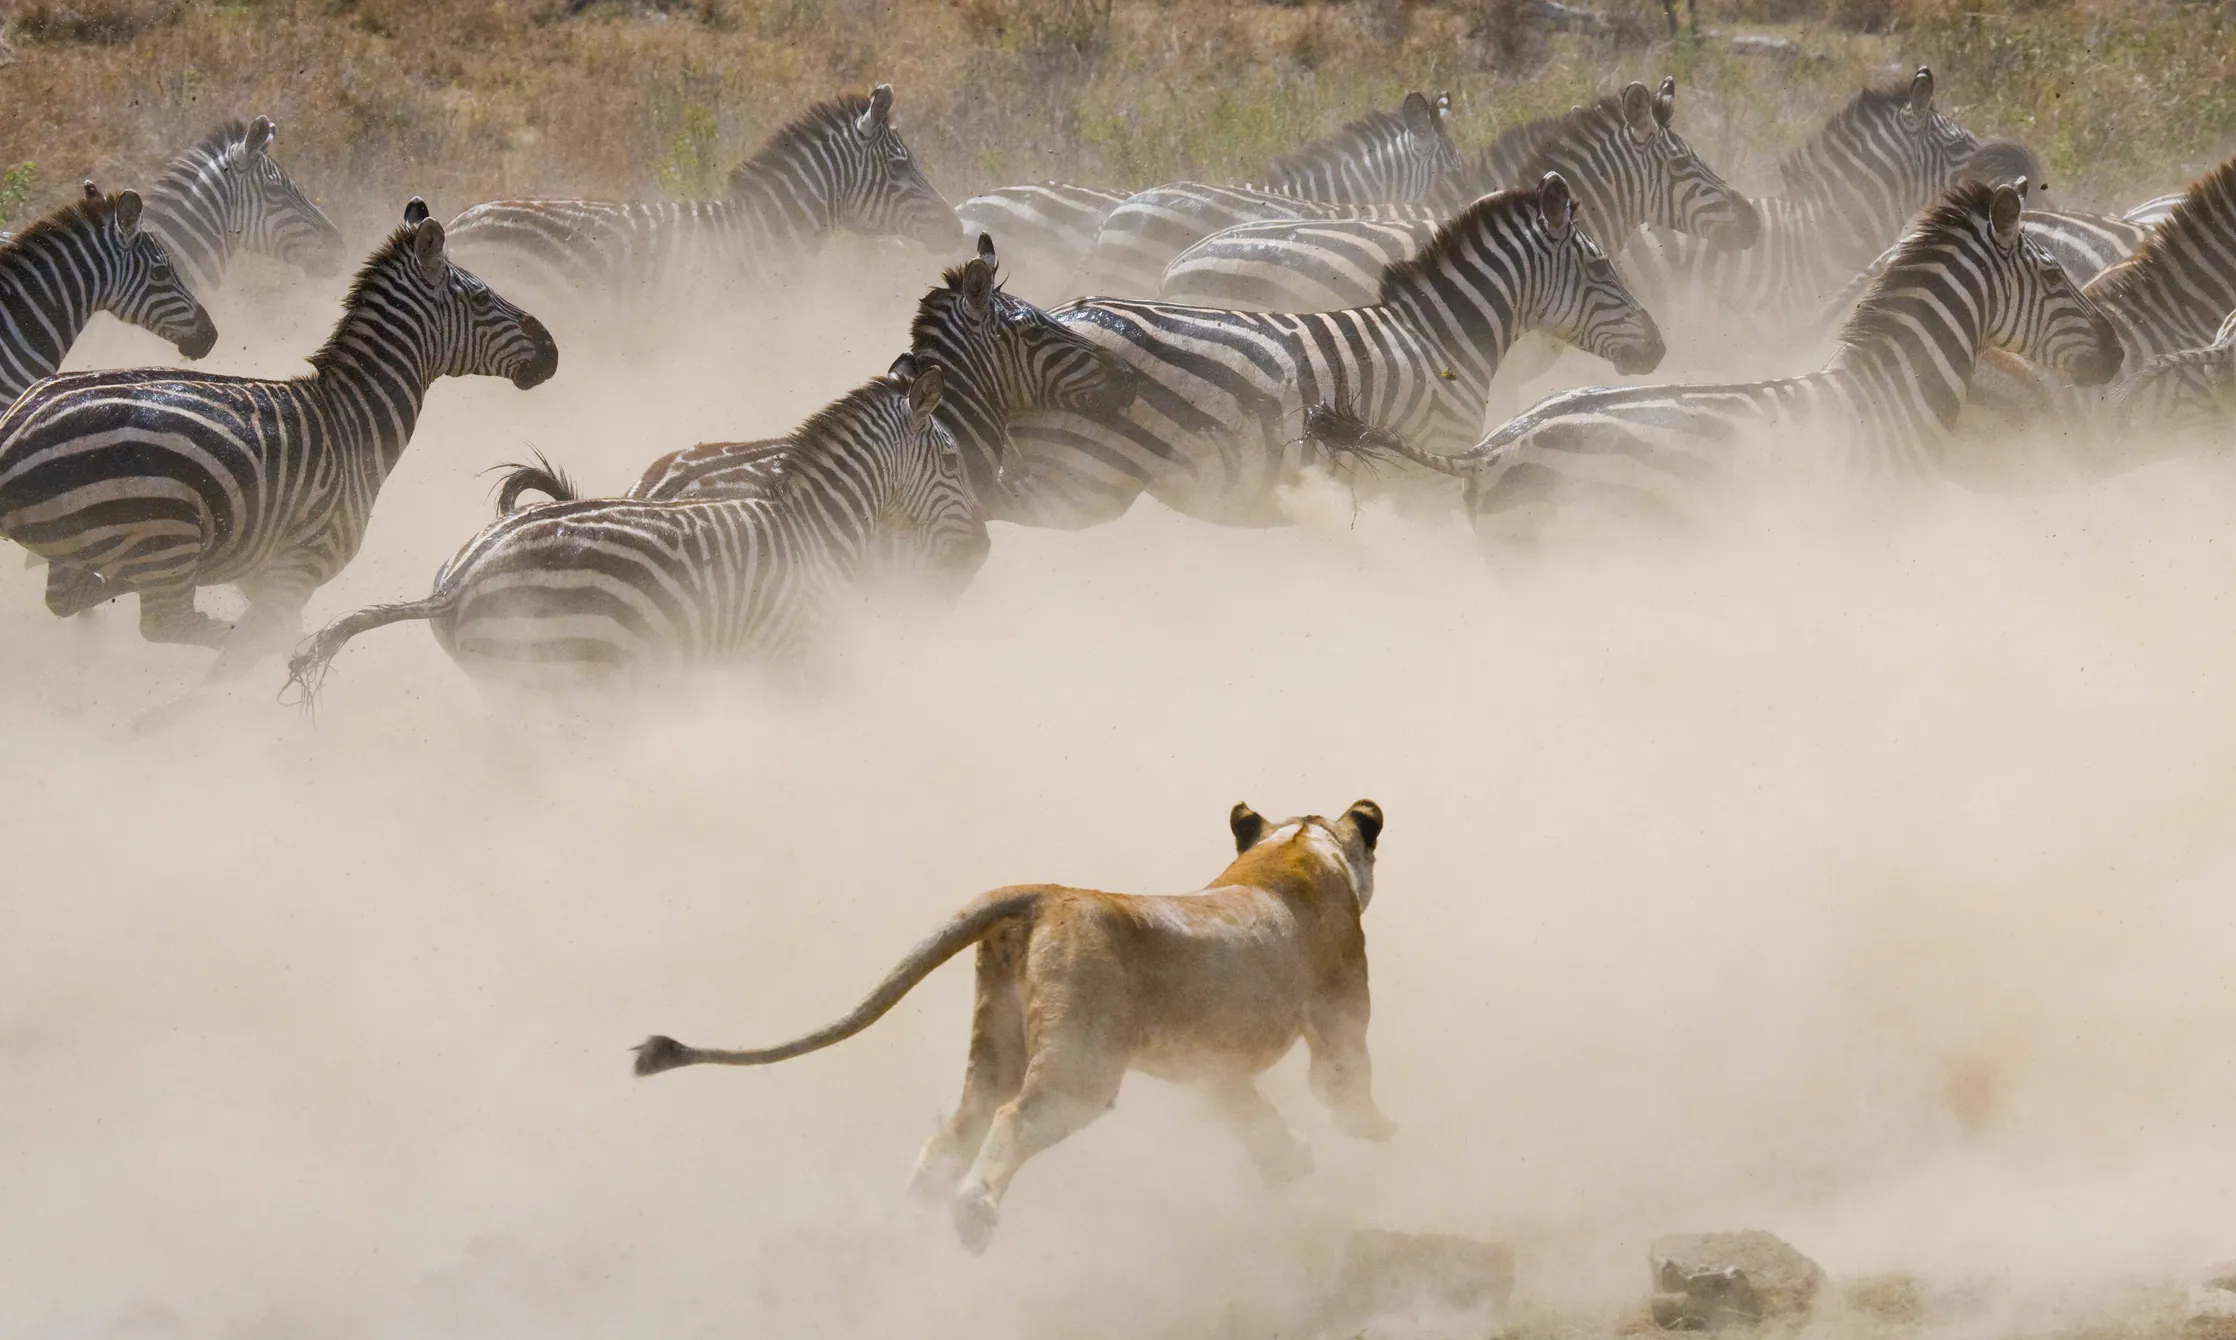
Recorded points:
(1350, 838)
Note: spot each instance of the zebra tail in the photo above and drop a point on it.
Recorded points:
(306, 669)
(542, 477)
(1344, 432)
(974, 923)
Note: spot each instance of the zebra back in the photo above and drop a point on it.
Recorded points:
(225, 192)
(2182, 398)
(1628, 166)
(2173, 293)
(90, 255)
(844, 162)
(1381, 158)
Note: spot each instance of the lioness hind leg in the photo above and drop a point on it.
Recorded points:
(995, 1072)
(1280, 1155)
(1056, 1100)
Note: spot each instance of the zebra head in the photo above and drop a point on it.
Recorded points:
(1001, 354)
(269, 213)
(1381, 159)
(931, 530)
(1578, 297)
(1881, 159)
(1679, 191)
(880, 190)
(139, 284)
(463, 327)
(2005, 163)
(2032, 307)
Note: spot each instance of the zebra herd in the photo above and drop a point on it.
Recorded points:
(1367, 303)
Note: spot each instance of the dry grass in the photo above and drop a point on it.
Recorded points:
(467, 100)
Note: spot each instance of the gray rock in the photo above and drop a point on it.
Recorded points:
(1387, 1273)
(1762, 44)
(1707, 1281)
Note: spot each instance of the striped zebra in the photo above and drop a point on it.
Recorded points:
(628, 592)
(840, 166)
(1626, 163)
(1418, 171)
(1967, 277)
(1849, 192)
(1377, 158)
(160, 482)
(2178, 400)
(1212, 429)
(999, 354)
(225, 193)
(91, 255)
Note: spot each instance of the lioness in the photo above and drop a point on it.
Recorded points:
(1077, 987)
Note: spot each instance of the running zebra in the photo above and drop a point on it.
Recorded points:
(159, 482)
(628, 592)
(1849, 192)
(1966, 277)
(1626, 163)
(1409, 156)
(1380, 157)
(999, 355)
(1212, 429)
(842, 165)
(2179, 400)
(89, 256)
(225, 192)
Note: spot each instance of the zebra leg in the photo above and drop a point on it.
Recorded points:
(272, 623)
(74, 590)
(167, 614)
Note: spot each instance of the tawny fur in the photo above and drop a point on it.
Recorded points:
(1077, 987)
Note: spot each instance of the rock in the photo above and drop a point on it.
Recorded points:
(1762, 44)
(1706, 1281)
(2211, 1304)
(1385, 1272)
(1564, 18)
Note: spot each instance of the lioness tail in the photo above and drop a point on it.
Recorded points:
(969, 926)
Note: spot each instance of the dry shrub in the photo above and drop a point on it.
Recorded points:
(100, 22)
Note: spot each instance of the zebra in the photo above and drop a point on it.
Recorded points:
(1627, 165)
(160, 482)
(1377, 158)
(998, 354)
(1967, 276)
(615, 592)
(2177, 399)
(1211, 430)
(840, 165)
(1418, 170)
(226, 192)
(91, 255)
(1849, 192)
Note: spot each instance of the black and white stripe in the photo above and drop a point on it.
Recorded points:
(2178, 401)
(1382, 158)
(629, 592)
(1213, 427)
(90, 256)
(1966, 278)
(1626, 163)
(1848, 194)
(841, 166)
(157, 482)
(226, 193)
(1044, 230)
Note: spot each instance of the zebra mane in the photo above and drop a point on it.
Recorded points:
(1500, 164)
(2202, 222)
(1956, 214)
(1454, 236)
(60, 220)
(827, 429)
(217, 141)
(951, 288)
(1353, 141)
(396, 250)
(809, 127)
(1869, 107)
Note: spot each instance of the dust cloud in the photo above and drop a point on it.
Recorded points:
(1860, 874)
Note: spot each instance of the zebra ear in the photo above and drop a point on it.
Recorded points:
(1247, 825)
(260, 134)
(881, 110)
(427, 248)
(415, 211)
(127, 213)
(1665, 102)
(1443, 108)
(923, 393)
(2004, 208)
(986, 249)
(1556, 205)
(1638, 110)
(92, 192)
(903, 369)
(1921, 93)
(1420, 118)
(978, 288)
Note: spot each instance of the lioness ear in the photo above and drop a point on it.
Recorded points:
(1248, 826)
(1368, 817)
